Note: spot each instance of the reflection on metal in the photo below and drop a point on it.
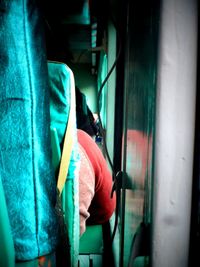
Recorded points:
(175, 133)
(110, 94)
(140, 246)
(139, 113)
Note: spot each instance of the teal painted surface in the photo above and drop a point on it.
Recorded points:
(139, 122)
(86, 82)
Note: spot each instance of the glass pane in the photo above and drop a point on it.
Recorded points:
(140, 95)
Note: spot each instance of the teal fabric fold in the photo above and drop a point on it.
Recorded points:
(25, 157)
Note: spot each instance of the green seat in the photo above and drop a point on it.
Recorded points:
(61, 86)
(7, 252)
(91, 247)
(91, 242)
(95, 246)
(71, 211)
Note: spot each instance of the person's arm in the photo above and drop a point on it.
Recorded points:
(86, 188)
(102, 205)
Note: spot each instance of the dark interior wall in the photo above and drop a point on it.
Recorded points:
(68, 40)
(86, 83)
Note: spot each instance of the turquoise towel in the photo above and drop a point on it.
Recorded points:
(25, 156)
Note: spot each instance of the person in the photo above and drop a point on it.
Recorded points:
(84, 117)
(95, 184)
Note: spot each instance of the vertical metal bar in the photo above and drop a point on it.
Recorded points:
(111, 90)
(124, 151)
(175, 117)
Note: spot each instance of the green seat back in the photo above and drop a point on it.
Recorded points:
(91, 242)
(61, 85)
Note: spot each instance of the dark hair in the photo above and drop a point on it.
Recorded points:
(84, 116)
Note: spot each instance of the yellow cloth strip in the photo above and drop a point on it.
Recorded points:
(68, 140)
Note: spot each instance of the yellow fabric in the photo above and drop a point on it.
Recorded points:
(68, 142)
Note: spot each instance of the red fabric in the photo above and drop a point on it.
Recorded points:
(102, 205)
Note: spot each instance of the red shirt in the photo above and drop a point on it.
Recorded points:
(102, 205)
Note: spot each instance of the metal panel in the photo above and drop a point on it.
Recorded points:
(83, 261)
(96, 260)
(139, 114)
(111, 90)
(175, 133)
